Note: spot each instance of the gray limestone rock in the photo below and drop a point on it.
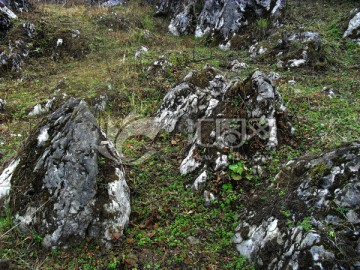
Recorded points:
(225, 18)
(67, 183)
(353, 30)
(323, 196)
(203, 105)
(112, 3)
(6, 17)
(2, 104)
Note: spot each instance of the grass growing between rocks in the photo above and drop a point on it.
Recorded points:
(170, 227)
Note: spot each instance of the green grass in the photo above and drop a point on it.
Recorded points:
(165, 213)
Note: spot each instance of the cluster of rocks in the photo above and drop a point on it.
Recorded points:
(224, 115)
(316, 225)
(223, 19)
(7, 13)
(31, 40)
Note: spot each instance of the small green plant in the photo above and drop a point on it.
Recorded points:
(227, 187)
(290, 224)
(282, 192)
(37, 239)
(306, 224)
(342, 210)
(262, 25)
(101, 161)
(113, 264)
(286, 213)
(240, 171)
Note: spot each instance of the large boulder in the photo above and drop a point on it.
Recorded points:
(67, 183)
(353, 30)
(224, 18)
(244, 116)
(315, 224)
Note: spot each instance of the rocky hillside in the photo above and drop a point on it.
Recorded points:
(191, 134)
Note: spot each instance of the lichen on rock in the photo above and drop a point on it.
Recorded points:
(65, 187)
(224, 115)
(316, 225)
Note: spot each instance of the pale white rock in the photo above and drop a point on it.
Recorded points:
(296, 62)
(221, 162)
(209, 198)
(6, 176)
(27, 218)
(43, 136)
(8, 12)
(257, 237)
(262, 50)
(200, 180)
(353, 29)
(41, 109)
(59, 42)
(119, 203)
(2, 104)
(173, 29)
(226, 46)
(238, 66)
(140, 51)
(189, 164)
(212, 105)
(310, 240)
(273, 141)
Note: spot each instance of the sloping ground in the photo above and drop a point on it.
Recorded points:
(170, 227)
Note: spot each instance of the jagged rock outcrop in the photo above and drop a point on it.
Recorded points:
(67, 183)
(39, 40)
(316, 224)
(293, 50)
(6, 18)
(112, 3)
(223, 115)
(353, 30)
(223, 18)
(13, 58)
(2, 104)
(7, 14)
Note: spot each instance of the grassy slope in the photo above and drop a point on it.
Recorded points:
(165, 213)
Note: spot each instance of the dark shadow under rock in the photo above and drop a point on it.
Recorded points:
(67, 182)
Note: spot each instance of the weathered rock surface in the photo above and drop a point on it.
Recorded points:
(223, 18)
(353, 30)
(317, 224)
(30, 40)
(67, 183)
(13, 58)
(223, 115)
(6, 17)
(7, 12)
(293, 50)
(112, 3)
(2, 104)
